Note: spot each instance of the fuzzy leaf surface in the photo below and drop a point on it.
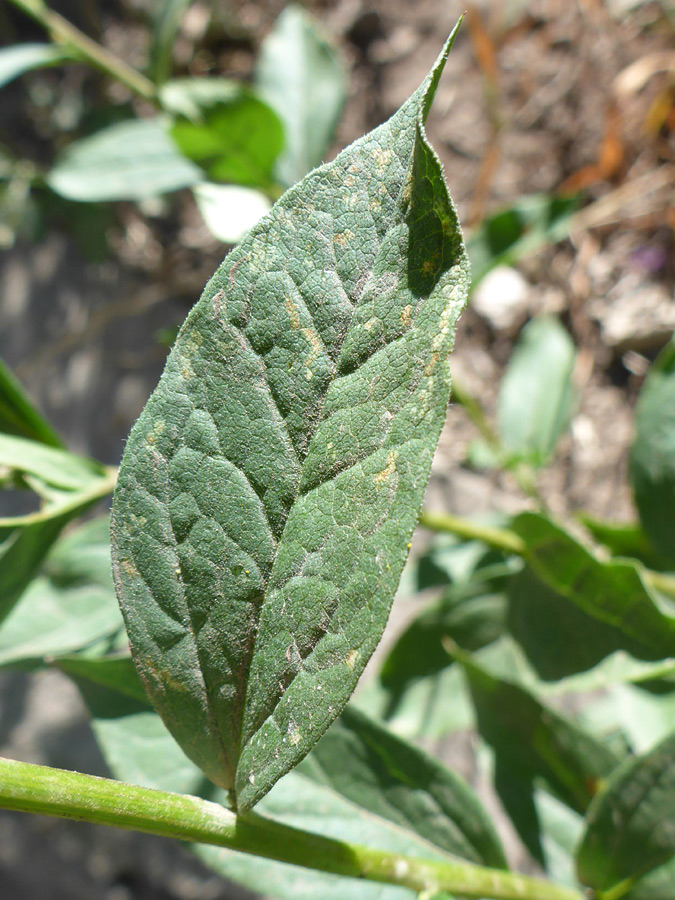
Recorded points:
(270, 488)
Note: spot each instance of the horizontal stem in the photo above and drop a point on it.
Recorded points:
(62, 32)
(55, 792)
(510, 542)
(79, 501)
(499, 538)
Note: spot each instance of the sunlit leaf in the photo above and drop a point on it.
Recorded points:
(269, 490)
(536, 396)
(126, 161)
(21, 58)
(303, 79)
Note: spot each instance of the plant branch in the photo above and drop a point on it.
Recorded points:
(62, 32)
(499, 538)
(80, 500)
(510, 542)
(39, 789)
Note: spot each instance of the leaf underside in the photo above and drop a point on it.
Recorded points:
(270, 488)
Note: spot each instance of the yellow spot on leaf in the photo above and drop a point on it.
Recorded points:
(389, 469)
(406, 316)
(293, 313)
(342, 238)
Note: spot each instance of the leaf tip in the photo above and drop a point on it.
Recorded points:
(431, 83)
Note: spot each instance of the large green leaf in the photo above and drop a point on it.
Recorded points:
(536, 397)
(302, 78)
(139, 749)
(126, 161)
(630, 827)
(613, 592)
(270, 488)
(384, 774)
(18, 416)
(21, 58)
(69, 606)
(652, 461)
(534, 740)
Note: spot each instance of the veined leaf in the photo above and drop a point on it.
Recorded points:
(303, 79)
(652, 462)
(631, 825)
(270, 488)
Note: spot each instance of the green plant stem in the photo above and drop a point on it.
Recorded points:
(39, 789)
(62, 32)
(509, 542)
(616, 891)
(499, 538)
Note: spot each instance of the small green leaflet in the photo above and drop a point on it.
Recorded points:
(270, 488)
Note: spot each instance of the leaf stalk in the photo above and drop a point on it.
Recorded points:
(62, 32)
(510, 542)
(40, 789)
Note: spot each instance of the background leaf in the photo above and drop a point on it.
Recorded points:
(21, 58)
(126, 161)
(533, 740)
(18, 416)
(536, 396)
(139, 749)
(631, 825)
(166, 22)
(511, 233)
(384, 774)
(269, 490)
(652, 460)
(236, 138)
(558, 637)
(303, 79)
(612, 591)
(69, 606)
(229, 210)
